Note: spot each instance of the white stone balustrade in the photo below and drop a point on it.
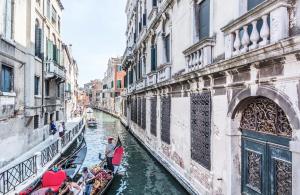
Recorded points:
(199, 55)
(141, 84)
(54, 69)
(151, 79)
(131, 88)
(164, 74)
(267, 23)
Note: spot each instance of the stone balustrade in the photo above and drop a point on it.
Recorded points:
(199, 55)
(152, 79)
(54, 70)
(131, 88)
(266, 24)
(164, 73)
(141, 84)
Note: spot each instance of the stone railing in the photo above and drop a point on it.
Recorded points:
(199, 55)
(141, 84)
(151, 79)
(265, 24)
(53, 69)
(164, 73)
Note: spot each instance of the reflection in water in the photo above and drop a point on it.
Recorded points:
(141, 173)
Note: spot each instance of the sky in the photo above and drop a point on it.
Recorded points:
(96, 30)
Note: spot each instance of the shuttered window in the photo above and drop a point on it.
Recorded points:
(36, 85)
(6, 79)
(204, 19)
(253, 3)
(119, 84)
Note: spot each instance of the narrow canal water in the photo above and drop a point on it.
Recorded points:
(141, 173)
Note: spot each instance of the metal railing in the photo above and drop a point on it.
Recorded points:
(49, 153)
(14, 176)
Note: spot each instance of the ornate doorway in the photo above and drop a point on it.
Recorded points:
(266, 159)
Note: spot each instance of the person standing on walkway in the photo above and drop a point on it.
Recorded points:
(52, 127)
(109, 153)
(61, 130)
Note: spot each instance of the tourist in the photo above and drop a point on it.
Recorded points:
(61, 130)
(109, 153)
(71, 187)
(52, 127)
(87, 179)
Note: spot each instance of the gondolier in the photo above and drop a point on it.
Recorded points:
(109, 153)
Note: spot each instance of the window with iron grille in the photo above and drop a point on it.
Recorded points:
(6, 79)
(153, 105)
(36, 121)
(165, 118)
(201, 128)
(139, 112)
(143, 113)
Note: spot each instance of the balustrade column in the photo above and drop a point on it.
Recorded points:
(59, 145)
(237, 42)
(245, 39)
(39, 165)
(265, 31)
(254, 35)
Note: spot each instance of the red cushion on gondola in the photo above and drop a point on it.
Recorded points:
(53, 179)
(118, 155)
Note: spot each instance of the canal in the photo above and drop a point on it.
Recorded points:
(140, 173)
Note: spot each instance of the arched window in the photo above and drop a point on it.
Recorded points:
(153, 54)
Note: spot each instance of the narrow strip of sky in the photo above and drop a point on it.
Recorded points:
(96, 29)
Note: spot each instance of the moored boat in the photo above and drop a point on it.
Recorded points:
(90, 118)
(103, 178)
(53, 179)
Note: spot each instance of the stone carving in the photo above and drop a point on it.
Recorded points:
(201, 128)
(264, 116)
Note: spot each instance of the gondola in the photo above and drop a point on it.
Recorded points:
(91, 120)
(69, 166)
(104, 177)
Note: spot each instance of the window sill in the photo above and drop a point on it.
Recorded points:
(8, 94)
(38, 96)
(38, 59)
(8, 41)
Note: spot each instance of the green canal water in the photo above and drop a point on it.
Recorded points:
(141, 173)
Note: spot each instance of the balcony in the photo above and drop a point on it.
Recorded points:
(164, 73)
(54, 71)
(131, 88)
(199, 55)
(151, 79)
(141, 84)
(264, 25)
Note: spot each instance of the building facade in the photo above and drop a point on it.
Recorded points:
(71, 83)
(32, 73)
(113, 84)
(213, 91)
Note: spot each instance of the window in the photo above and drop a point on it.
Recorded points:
(48, 9)
(46, 119)
(38, 2)
(51, 116)
(168, 48)
(144, 19)
(54, 15)
(36, 85)
(47, 87)
(38, 40)
(153, 57)
(58, 90)
(204, 19)
(112, 84)
(8, 19)
(6, 79)
(154, 3)
(57, 115)
(253, 3)
(36, 121)
(58, 23)
(120, 68)
(119, 84)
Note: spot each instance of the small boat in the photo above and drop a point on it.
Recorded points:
(69, 166)
(91, 120)
(103, 177)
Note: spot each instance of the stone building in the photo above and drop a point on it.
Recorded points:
(213, 91)
(113, 83)
(31, 89)
(71, 83)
